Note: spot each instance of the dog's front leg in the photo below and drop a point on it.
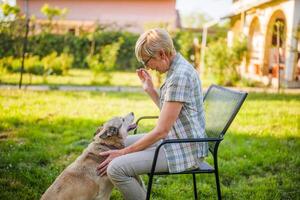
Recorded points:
(105, 189)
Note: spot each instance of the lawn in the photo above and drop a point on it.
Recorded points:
(74, 77)
(42, 132)
(84, 77)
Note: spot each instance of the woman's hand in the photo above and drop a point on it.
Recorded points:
(146, 80)
(101, 169)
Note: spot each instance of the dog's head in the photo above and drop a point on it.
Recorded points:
(117, 126)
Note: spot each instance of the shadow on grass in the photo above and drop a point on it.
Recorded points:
(251, 167)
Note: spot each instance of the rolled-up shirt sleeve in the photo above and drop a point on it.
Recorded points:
(179, 89)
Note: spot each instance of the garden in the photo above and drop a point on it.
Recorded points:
(42, 132)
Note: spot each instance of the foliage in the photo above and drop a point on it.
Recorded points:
(12, 37)
(9, 10)
(43, 132)
(80, 46)
(224, 61)
(184, 43)
(107, 57)
(50, 64)
(105, 61)
(51, 12)
(33, 65)
(54, 64)
(66, 61)
(217, 31)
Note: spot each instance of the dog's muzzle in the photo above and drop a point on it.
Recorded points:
(131, 127)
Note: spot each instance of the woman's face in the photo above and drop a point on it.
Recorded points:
(160, 62)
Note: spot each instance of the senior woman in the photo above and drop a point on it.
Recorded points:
(181, 116)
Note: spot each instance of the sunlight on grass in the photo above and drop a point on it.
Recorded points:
(85, 77)
(43, 132)
(75, 77)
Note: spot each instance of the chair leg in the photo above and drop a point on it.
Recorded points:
(218, 183)
(149, 186)
(195, 187)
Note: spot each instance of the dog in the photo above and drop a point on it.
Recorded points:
(80, 180)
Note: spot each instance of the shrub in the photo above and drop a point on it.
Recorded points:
(51, 64)
(106, 59)
(224, 61)
(58, 65)
(11, 64)
(33, 65)
(66, 61)
(183, 41)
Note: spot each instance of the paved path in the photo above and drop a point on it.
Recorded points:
(128, 89)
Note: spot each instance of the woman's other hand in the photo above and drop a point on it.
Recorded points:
(111, 154)
(146, 80)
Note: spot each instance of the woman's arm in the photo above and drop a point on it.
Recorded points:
(169, 113)
(154, 96)
(166, 120)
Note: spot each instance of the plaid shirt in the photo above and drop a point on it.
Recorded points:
(182, 84)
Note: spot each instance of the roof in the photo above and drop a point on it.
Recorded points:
(245, 6)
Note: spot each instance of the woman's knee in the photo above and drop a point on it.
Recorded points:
(114, 169)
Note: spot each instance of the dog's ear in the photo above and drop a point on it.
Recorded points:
(109, 132)
(99, 129)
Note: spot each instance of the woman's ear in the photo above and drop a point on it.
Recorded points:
(162, 54)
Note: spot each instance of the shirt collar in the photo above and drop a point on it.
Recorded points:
(174, 64)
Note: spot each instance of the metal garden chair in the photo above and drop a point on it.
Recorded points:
(221, 106)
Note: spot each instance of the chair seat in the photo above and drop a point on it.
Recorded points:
(204, 167)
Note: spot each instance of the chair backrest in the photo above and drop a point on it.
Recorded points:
(221, 106)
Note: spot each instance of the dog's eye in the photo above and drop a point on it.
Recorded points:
(123, 119)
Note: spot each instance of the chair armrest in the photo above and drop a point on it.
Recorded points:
(142, 118)
(170, 141)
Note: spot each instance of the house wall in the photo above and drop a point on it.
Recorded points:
(132, 12)
(264, 14)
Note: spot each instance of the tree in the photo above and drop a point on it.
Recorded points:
(50, 13)
(10, 10)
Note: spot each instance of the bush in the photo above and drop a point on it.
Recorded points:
(57, 65)
(126, 58)
(79, 47)
(6, 63)
(105, 61)
(51, 64)
(184, 43)
(66, 61)
(224, 61)
(33, 65)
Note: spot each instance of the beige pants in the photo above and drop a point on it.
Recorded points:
(124, 171)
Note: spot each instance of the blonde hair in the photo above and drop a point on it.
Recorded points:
(152, 41)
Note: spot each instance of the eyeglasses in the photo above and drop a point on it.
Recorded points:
(146, 62)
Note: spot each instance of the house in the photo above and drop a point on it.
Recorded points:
(133, 15)
(272, 30)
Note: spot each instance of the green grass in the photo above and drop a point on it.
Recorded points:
(74, 77)
(82, 77)
(42, 132)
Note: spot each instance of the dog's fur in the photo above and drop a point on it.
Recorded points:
(80, 180)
